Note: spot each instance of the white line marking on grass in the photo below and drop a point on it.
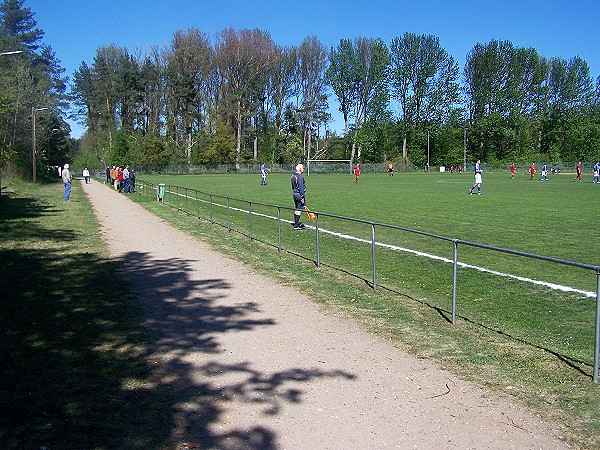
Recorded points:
(553, 286)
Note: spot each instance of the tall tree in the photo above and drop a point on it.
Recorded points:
(242, 58)
(312, 65)
(342, 76)
(190, 63)
(19, 21)
(34, 80)
(570, 102)
(424, 80)
(371, 88)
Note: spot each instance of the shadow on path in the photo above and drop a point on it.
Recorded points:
(89, 363)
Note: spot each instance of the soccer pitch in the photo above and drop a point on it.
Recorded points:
(556, 218)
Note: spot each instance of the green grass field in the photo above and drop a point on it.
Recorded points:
(557, 218)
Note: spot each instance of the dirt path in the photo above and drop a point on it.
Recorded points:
(259, 366)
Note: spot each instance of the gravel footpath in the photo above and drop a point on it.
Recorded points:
(258, 365)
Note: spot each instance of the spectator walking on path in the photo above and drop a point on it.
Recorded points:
(67, 178)
(86, 175)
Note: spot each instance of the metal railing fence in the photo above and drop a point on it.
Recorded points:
(180, 198)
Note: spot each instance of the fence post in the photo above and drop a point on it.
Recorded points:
(454, 276)
(250, 220)
(211, 219)
(177, 198)
(197, 206)
(187, 210)
(373, 257)
(278, 229)
(228, 216)
(317, 241)
(597, 343)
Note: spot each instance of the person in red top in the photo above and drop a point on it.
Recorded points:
(357, 171)
(120, 179)
(512, 171)
(532, 170)
(579, 174)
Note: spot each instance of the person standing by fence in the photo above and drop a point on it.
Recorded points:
(298, 192)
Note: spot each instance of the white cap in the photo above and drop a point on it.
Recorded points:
(66, 166)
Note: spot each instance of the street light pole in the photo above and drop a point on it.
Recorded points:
(33, 110)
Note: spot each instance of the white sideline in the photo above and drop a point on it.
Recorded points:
(553, 286)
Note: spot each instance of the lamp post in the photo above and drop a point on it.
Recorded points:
(33, 111)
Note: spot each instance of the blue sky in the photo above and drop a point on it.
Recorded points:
(75, 29)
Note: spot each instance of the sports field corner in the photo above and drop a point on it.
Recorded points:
(253, 364)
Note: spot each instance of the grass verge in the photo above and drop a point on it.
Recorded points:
(74, 372)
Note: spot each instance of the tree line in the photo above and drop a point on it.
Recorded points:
(240, 97)
(34, 99)
(243, 98)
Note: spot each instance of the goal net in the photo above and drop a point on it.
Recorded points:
(329, 166)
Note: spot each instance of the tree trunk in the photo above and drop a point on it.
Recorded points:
(404, 149)
(309, 134)
(238, 143)
(189, 144)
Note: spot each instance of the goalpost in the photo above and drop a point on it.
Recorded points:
(329, 165)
